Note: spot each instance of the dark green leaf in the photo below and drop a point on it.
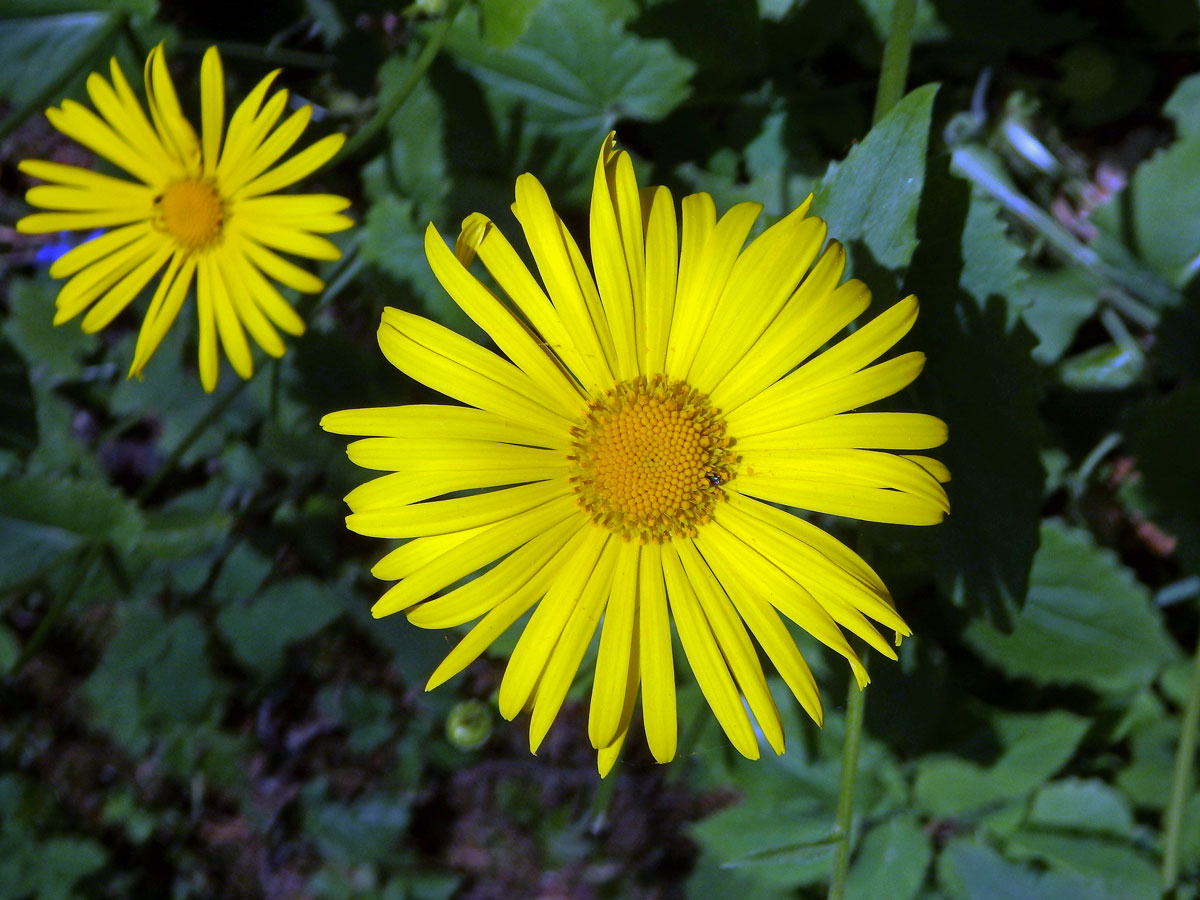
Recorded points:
(873, 194)
(44, 519)
(1123, 872)
(980, 379)
(974, 872)
(286, 612)
(578, 70)
(55, 350)
(17, 411)
(1087, 620)
(1165, 438)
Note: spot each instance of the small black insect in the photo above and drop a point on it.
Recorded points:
(714, 479)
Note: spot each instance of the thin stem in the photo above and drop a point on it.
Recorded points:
(215, 411)
(844, 824)
(87, 559)
(1181, 781)
(113, 23)
(893, 72)
(389, 107)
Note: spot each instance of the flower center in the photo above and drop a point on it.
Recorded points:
(650, 458)
(191, 211)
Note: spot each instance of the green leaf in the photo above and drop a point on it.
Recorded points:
(1184, 106)
(1123, 872)
(286, 612)
(1036, 746)
(1165, 195)
(1058, 303)
(364, 832)
(17, 410)
(971, 871)
(992, 260)
(505, 20)
(576, 70)
(1087, 620)
(55, 350)
(49, 870)
(154, 677)
(44, 519)
(891, 862)
(46, 45)
(980, 379)
(874, 193)
(1075, 804)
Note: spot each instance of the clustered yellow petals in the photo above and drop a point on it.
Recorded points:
(650, 459)
(191, 211)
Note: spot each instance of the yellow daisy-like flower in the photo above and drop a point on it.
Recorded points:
(202, 209)
(636, 442)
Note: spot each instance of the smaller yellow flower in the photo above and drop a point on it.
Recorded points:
(205, 210)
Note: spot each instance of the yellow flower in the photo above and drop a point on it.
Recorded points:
(634, 446)
(203, 210)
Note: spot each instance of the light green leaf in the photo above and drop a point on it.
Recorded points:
(1036, 746)
(1087, 620)
(971, 871)
(1075, 804)
(891, 862)
(1123, 872)
(1165, 195)
(1056, 304)
(991, 259)
(873, 195)
(1184, 106)
(1106, 367)
(505, 20)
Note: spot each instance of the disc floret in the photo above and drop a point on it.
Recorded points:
(651, 459)
(191, 211)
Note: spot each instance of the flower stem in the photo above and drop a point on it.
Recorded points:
(844, 824)
(113, 23)
(893, 72)
(1181, 781)
(395, 100)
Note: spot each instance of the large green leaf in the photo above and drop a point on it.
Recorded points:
(17, 411)
(980, 379)
(874, 193)
(1087, 620)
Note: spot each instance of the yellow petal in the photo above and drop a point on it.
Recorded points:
(163, 311)
(614, 272)
(120, 295)
(662, 262)
(505, 328)
(617, 646)
(435, 421)
(299, 166)
(704, 656)
(864, 431)
(657, 663)
(212, 108)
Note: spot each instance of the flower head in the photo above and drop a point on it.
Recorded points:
(629, 458)
(201, 207)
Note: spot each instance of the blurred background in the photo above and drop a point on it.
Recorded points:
(195, 702)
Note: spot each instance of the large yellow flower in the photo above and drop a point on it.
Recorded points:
(201, 209)
(635, 448)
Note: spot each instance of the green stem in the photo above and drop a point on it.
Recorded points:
(394, 101)
(87, 559)
(113, 23)
(893, 72)
(215, 411)
(844, 824)
(1181, 781)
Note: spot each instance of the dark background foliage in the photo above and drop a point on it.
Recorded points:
(195, 701)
